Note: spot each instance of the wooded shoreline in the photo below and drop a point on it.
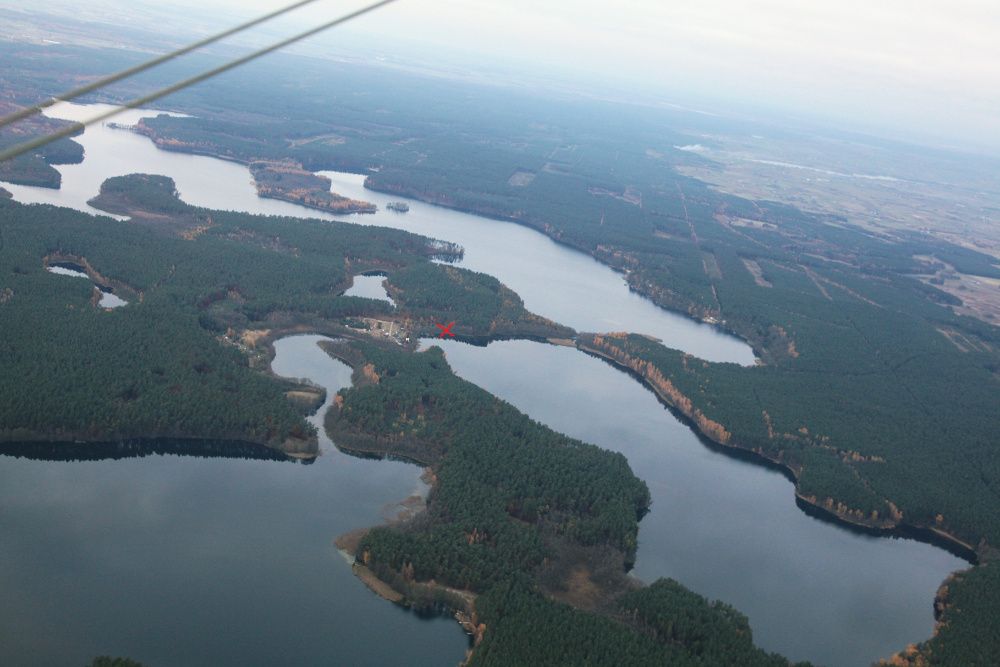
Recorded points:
(928, 534)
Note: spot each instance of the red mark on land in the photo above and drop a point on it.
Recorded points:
(445, 330)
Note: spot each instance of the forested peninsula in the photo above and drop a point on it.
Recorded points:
(36, 167)
(290, 182)
(528, 533)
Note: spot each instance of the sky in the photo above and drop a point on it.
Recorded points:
(922, 70)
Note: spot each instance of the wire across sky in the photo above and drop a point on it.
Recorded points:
(39, 142)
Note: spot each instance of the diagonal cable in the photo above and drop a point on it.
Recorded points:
(149, 64)
(21, 149)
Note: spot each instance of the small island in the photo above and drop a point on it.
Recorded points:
(398, 206)
(288, 181)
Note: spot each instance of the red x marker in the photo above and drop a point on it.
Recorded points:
(445, 330)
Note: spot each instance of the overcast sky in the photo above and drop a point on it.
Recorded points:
(923, 69)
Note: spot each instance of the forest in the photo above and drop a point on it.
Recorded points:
(108, 661)
(479, 304)
(72, 371)
(661, 624)
(170, 364)
(511, 500)
(36, 167)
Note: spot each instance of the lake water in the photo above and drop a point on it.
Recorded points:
(726, 528)
(370, 287)
(108, 298)
(187, 562)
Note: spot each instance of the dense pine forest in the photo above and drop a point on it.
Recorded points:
(173, 363)
(73, 371)
(478, 303)
(661, 624)
(107, 661)
(498, 471)
(515, 512)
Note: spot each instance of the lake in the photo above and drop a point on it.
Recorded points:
(177, 560)
(108, 299)
(369, 287)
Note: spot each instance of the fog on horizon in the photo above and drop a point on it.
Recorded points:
(916, 70)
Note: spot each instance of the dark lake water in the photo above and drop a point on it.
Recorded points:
(369, 287)
(193, 561)
(108, 298)
(185, 561)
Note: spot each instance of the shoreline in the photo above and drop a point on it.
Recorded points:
(550, 233)
(459, 604)
(927, 534)
(133, 447)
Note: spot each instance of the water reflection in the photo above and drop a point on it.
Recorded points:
(221, 554)
(130, 449)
